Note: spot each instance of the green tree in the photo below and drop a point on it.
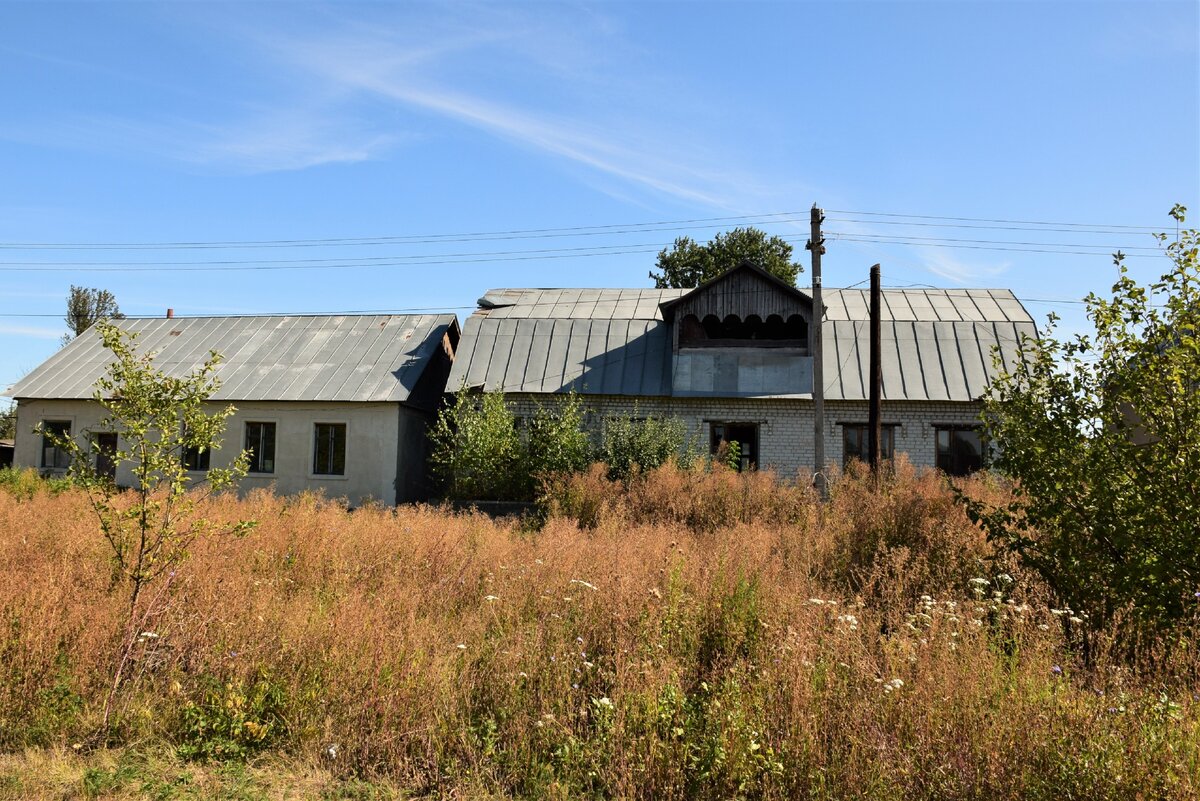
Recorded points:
(480, 453)
(1102, 435)
(688, 264)
(8, 423)
(476, 450)
(635, 445)
(150, 528)
(86, 307)
(556, 440)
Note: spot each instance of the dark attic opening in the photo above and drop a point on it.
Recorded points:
(752, 331)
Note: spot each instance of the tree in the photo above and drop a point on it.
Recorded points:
(86, 307)
(475, 449)
(688, 264)
(634, 445)
(8, 423)
(149, 529)
(557, 441)
(1102, 436)
(479, 452)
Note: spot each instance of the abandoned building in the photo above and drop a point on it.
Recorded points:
(333, 403)
(731, 359)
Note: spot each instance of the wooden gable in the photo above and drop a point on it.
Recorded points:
(744, 307)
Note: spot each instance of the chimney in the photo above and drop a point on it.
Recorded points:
(170, 313)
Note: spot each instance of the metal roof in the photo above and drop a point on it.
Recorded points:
(302, 358)
(937, 343)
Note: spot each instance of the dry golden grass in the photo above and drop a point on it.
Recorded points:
(704, 635)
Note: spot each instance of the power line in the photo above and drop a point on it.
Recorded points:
(767, 218)
(1064, 230)
(1147, 228)
(884, 239)
(519, 233)
(986, 247)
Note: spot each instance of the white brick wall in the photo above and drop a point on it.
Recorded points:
(785, 427)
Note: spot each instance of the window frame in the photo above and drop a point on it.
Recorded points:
(955, 468)
(98, 453)
(312, 462)
(45, 446)
(888, 432)
(748, 461)
(255, 457)
(190, 455)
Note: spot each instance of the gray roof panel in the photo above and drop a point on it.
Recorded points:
(301, 358)
(937, 342)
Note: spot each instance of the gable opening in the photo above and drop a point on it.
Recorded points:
(751, 331)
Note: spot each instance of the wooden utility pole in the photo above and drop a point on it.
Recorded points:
(816, 246)
(874, 425)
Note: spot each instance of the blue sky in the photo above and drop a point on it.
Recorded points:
(141, 123)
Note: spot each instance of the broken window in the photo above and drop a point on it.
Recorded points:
(745, 435)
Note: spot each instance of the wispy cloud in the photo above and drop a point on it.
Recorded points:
(597, 119)
(34, 332)
(958, 271)
(287, 140)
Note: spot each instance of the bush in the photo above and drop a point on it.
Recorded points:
(476, 451)
(1102, 434)
(26, 482)
(640, 444)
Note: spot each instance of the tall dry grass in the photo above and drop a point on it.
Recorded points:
(703, 635)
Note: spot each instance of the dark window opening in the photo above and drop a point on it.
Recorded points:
(959, 449)
(329, 452)
(746, 437)
(752, 331)
(260, 446)
(104, 453)
(195, 457)
(856, 442)
(55, 457)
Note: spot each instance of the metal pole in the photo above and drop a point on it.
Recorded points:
(816, 246)
(874, 425)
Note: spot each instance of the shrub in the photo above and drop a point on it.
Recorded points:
(1102, 434)
(476, 451)
(636, 445)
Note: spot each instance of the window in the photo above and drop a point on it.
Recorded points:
(753, 331)
(260, 445)
(329, 451)
(104, 454)
(746, 437)
(195, 458)
(856, 442)
(53, 456)
(959, 449)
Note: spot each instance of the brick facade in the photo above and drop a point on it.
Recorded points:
(785, 427)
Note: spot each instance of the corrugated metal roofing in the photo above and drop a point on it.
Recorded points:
(309, 358)
(937, 343)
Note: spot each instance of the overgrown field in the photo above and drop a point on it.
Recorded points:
(695, 635)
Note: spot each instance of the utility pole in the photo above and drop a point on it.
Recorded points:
(874, 425)
(816, 246)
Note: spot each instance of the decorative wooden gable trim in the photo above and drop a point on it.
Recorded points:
(744, 307)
